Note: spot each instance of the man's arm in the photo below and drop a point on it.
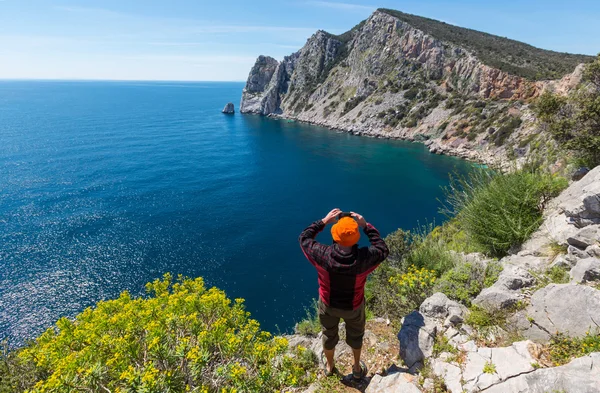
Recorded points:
(377, 251)
(312, 249)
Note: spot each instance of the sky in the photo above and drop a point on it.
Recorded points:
(220, 40)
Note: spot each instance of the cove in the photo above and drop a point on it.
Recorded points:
(108, 185)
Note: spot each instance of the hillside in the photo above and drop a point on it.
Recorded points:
(502, 53)
(395, 75)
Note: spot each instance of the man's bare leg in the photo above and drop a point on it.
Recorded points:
(356, 353)
(329, 355)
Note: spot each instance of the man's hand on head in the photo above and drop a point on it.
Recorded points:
(331, 216)
(359, 219)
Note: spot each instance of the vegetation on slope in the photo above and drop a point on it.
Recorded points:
(574, 121)
(508, 55)
(183, 337)
(491, 212)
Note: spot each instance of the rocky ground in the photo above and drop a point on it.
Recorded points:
(435, 350)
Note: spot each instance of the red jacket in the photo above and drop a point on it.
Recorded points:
(342, 277)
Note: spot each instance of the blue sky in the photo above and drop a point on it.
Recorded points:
(219, 40)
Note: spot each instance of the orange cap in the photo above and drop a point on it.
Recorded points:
(345, 232)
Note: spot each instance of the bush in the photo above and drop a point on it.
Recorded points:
(574, 121)
(413, 287)
(462, 282)
(430, 252)
(563, 349)
(465, 280)
(399, 244)
(183, 337)
(411, 93)
(501, 211)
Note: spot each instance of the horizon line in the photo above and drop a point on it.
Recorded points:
(116, 80)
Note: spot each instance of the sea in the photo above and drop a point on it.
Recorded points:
(105, 186)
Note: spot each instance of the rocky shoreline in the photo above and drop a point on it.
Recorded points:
(433, 145)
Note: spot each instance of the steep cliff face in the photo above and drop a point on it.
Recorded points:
(387, 78)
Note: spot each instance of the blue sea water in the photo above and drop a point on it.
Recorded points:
(105, 186)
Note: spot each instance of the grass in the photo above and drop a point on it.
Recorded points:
(489, 368)
(442, 344)
(310, 326)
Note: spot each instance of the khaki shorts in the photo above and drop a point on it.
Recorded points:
(355, 325)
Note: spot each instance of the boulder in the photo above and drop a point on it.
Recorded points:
(416, 337)
(496, 298)
(581, 200)
(229, 108)
(451, 374)
(593, 251)
(585, 237)
(565, 308)
(576, 252)
(587, 269)
(582, 375)
(514, 278)
(564, 262)
(505, 292)
(440, 306)
(398, 382)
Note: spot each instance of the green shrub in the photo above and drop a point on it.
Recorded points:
(492, 272)
(465, 280)
(413, 287)
(183, 337)
(430, 252)
(462, 283)
(310, 326)
(411, 93)
(574, 121)
(562, 349)
(500, 211)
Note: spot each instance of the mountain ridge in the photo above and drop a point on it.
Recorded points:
(386, 78)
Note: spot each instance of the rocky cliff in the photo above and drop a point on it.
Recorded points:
(400, 76)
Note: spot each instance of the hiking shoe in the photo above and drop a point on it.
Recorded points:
(358, 375)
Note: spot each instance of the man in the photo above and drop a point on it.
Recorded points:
(342, 270)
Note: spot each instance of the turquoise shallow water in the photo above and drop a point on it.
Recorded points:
(105, 186)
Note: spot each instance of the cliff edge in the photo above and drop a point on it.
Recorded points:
(401, 76)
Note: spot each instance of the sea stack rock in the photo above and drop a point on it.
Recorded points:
(229, 109)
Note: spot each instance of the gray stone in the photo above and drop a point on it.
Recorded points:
(580, 376)
(587, 269)
(566, 308)
(581, 200)
(593, 251)
(496, 298)
(440, 306)
(229, 108)
(585, 237)
(416, 337)
(474, 365)
(514, 277)
(451, 374)
(576, 252)
(394, 383)
(563, 262)
(513, 360)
